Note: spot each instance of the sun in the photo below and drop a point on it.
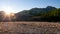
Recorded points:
(8, 10)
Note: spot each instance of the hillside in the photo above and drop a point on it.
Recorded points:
(41, 14)
(48, 14)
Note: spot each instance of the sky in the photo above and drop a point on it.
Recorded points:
(19, 5)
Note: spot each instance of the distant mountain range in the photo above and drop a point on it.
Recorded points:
(39, 14)
(30, 15)
(34, 11)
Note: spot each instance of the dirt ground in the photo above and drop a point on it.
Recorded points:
(29, 28)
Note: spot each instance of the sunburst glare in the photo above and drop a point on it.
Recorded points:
(8, 10)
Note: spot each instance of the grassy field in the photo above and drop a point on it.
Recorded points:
(29, 28)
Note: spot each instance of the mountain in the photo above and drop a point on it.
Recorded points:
(34, 12)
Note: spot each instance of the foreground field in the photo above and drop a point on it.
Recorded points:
(29, 28)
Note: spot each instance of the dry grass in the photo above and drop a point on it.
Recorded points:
(29, 28)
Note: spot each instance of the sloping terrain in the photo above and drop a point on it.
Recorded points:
(29, 28)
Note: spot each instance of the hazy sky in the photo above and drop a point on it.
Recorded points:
(18, 5)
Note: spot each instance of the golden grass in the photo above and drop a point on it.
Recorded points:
(29, 28)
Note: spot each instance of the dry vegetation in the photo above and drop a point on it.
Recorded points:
(29, 28)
